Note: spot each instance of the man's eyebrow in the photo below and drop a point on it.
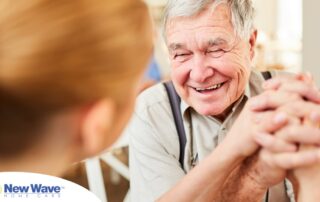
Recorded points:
(216, 42)
(211, 42)
(175, 46)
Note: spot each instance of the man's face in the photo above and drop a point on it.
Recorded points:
(210, 64)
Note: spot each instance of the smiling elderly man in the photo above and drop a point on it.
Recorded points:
(211, 46)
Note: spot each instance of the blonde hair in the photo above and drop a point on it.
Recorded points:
(57, 54)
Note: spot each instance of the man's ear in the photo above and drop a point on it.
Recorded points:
(96, 123)
(252, 43)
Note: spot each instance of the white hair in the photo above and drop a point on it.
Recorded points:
(242, 12)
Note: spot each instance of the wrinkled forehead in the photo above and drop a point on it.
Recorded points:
(213, 16)
(211, 26)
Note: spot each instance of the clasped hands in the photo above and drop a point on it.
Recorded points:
(280, 130)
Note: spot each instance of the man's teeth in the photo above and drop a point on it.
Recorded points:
(210, 88)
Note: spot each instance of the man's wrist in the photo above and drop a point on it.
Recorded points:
(242, 187)
(250, 175)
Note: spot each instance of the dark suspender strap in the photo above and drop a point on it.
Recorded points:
(267, 196)
(175, 101)
(276, 193)
(266, 75)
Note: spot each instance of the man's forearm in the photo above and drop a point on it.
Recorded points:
(206, 181)
(239, 184)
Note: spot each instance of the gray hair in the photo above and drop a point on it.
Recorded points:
(242, 12)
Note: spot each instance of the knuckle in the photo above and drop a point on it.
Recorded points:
(252, 100)
(293, 162)
(293, 96)
(269, 96)
(304, 90)
(266, 157)
(286, 134)
(278, 162)
(291, 133)
(296, 105)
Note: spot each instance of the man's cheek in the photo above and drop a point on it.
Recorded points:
(181, 76)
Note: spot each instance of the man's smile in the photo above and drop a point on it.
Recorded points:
(210, 88)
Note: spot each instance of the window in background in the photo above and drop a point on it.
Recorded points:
(279, 23)
(289, 33)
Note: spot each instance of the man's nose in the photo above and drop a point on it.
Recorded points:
(201, 70)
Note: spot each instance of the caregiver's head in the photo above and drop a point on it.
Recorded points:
(68, 77)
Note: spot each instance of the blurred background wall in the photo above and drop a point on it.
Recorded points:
(311, 38)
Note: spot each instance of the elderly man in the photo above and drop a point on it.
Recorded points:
(211, 46)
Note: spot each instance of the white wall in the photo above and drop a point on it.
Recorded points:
(266, 16)
(311, 38)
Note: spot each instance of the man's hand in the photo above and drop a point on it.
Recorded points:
(307, 108)
(257, 118)
(283, 101)
(251, 175)
(302, 84)
(306, 160)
